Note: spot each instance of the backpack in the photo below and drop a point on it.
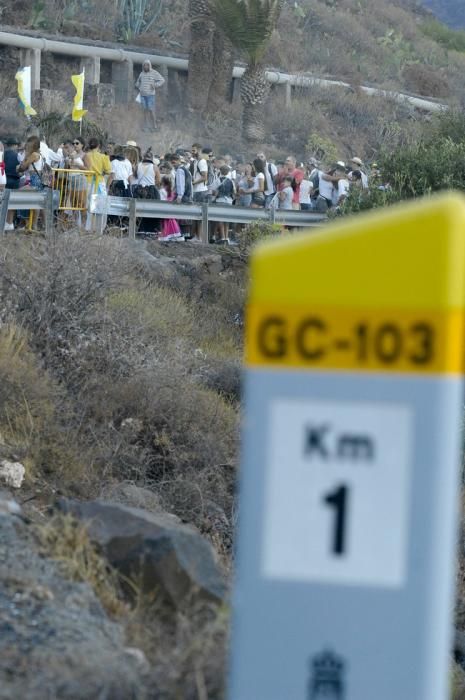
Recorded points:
(211, 177)
(187, 183)
(272, 177)
(315, 180)
(226, 188)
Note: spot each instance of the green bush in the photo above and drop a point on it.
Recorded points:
(451, 39)
(433, 163)
(426, 167)
(255, 232)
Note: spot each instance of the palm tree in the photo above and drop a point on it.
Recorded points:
(200, 54)
(249, 25)
(219, 94)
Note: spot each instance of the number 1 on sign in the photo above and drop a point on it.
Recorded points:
(338, 500)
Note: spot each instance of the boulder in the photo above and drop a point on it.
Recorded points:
(152, 549)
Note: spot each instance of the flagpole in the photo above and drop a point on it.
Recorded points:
(80, 122)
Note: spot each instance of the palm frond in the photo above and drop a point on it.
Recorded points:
(248, 24)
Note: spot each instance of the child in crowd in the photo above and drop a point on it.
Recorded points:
(286, 194)
(170, 227)
(245, 186)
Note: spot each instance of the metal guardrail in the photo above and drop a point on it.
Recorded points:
(27, 200)
(133, 209)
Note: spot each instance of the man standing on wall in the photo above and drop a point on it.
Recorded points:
(147, 82)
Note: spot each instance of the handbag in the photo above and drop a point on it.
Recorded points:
(45, 175)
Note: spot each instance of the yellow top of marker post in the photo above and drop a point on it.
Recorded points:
(383, 291)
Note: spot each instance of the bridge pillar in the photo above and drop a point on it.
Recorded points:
(288, 94)
(163, 92)
(236, 91)
(122, 75)
(32, 57)
(91, 65)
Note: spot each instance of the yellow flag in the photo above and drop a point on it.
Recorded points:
(78, 111)
(23, 77)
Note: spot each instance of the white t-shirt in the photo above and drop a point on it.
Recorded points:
(50, 157)
(257, 182)
(343, 187)
(305, 191)
(145, 174)
(287, 193)
(269, 185)
(200, 167)
(122, 170)
(37, 167)
(326, 188)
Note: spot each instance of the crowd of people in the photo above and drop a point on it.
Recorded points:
(80, 170)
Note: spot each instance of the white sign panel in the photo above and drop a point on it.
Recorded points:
(338, 492)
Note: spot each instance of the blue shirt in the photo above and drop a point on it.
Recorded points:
(11, 161)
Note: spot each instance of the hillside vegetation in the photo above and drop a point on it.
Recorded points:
(359, 41)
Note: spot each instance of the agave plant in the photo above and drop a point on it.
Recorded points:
(249, 25)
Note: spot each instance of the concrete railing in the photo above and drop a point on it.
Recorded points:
(134, 209)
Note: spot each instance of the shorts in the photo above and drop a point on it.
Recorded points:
(147, 101)
(201, 197)
(258, 199)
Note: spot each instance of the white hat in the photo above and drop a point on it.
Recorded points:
(131, 143)
(341, 164)
(357, 161)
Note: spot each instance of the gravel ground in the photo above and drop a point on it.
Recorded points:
(56, 641)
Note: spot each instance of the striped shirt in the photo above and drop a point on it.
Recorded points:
(148, 81)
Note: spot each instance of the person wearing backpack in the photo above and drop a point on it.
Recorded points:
(201, 173)
(183, 180)
(224, 194)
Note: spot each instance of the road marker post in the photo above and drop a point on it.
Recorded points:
(351, 454)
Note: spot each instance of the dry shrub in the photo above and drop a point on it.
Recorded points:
(186, 647)
(34, 412)
(353, 122)
(67, 542)
(26, 394)
(151, 374)
(425, 80)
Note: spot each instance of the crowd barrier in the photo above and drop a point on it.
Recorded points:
(133, 209)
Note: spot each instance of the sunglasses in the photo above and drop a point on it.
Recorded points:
(76, 143)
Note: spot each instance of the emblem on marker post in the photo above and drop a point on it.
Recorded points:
(327, 680)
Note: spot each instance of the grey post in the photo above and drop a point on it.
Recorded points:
(204, 232)
(132, 219)
(48, 213)
(272, 214)
(4, 210)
